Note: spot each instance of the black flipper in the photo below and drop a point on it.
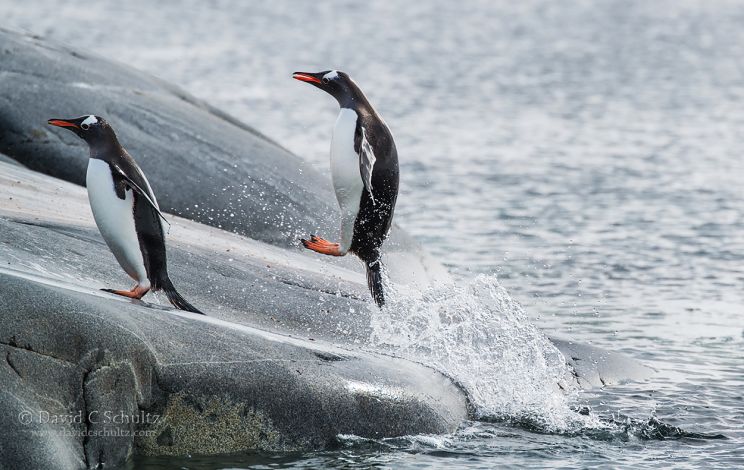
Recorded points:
(176, 299)
(135, 187)
(374, 281)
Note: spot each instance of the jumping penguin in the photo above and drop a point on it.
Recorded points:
(125, 210)
(364, 169)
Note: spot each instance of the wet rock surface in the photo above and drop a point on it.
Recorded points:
(206, 165)
(203, 164)
(275, 365)
(207, 386)
(596, 367)
(279, 363)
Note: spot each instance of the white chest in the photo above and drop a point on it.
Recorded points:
(347, 180)
(114, 218)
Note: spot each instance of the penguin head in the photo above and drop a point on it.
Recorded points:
(92, 129)
(335, 83)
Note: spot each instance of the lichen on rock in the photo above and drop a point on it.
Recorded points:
(214, 425)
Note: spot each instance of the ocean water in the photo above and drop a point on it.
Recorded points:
(581, 159)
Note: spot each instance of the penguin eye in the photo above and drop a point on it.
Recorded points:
(325, 80)
(84, 126)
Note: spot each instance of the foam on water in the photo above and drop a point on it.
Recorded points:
(480, 337)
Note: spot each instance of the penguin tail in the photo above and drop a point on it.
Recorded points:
(374, 281)
(177, 299)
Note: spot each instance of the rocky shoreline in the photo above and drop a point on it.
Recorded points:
(273, 366)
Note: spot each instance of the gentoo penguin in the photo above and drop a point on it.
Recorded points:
(125, 210)
(364, 169)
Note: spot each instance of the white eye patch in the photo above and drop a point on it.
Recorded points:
(331, 75)
(90, 120)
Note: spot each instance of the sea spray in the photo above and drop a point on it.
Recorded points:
(479, 336)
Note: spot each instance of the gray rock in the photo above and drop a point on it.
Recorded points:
(216, 384)
(192, 153)
(6, 159)
(203, 164)
(33, 383)
(206, 386)
(595, 367)
(275, 366)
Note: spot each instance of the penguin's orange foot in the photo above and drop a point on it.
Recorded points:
(322, 246)
(136, 293)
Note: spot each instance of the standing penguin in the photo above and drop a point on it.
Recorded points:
(125, 210)
(364, 169)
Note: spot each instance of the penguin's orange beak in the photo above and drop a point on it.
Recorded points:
(305, 77)
(62, 123)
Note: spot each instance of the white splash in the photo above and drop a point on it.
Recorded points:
(479, 336)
